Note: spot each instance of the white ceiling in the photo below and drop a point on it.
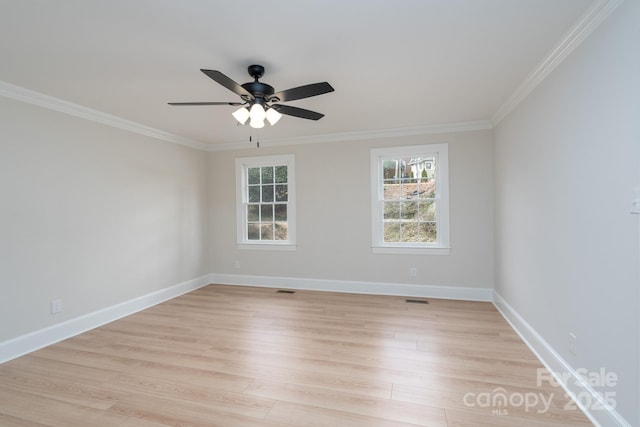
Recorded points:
(393, 64)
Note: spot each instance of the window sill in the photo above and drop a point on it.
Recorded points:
(410, 251)
(266, 247)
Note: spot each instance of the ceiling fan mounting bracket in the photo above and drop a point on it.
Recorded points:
(256, 71)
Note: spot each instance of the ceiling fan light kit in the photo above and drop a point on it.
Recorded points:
(273, 116)
(259, 100)
(241, 115)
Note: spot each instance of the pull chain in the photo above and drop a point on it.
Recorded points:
(257, 139)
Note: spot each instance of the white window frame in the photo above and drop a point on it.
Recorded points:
(442, 244)
(242, 166)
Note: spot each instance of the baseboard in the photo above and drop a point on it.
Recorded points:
(575, 386)
(33, 341)
(38, 339)
(356, 287)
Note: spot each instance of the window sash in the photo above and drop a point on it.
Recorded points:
(265, 202)
(387, 209)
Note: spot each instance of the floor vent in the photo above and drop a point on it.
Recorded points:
(416, 301)
(285, 291)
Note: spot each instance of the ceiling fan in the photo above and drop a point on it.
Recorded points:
(259, 100)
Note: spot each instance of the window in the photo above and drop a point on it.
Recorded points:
(265, 198)
(410, 199)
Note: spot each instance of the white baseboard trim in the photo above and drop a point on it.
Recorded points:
(575, 386)
(33, 341)
(355, 287)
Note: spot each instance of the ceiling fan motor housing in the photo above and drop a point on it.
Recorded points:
(259, 89)
(256, 88)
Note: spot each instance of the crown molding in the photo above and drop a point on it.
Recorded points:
(19, 93)
(36, 98)
(362, 135)
(585, 25)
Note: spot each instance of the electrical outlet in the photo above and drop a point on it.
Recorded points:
(572, 344)
(56, 306)
(237, 264)
(413, 272)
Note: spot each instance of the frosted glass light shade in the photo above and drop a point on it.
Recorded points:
(273, 116)
(256, 124)
(241, 115)
(257, 113)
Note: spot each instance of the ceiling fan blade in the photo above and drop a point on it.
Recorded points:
(205, 103)
(306, 91)
(225, 81)
(297, 112)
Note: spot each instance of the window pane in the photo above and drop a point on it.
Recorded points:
(420, 166)
(281, 231)
(427, 211)
(408, 210)
(391, 210)
(427, 188)
(267, 175)
(389, 169)
(281, 174)
(254, 175)
(267, 193)
(253, 232)
(428, 232)
(281, 212)
(282, 192)
(391, 189)
(410, 191)
(266, 213)
(409, 232)
(254, 194)
(391, 232)
(266, 232)
(253, 213)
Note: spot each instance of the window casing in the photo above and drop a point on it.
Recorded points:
(410, 199)
(265, 202)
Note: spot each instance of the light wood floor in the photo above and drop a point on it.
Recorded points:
(247, 357)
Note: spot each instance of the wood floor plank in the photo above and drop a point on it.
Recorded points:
(472, 406)
(381, 409)
(463, 418)
(251, 357)
(188, 394)
(313, 416)
(138, 422)
(164, 370)
(50, 411)
(174, 413)
(66, 389)
(11, 421)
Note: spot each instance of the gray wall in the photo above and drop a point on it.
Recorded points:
(566, 161)
(334, 218)
(92, 215)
